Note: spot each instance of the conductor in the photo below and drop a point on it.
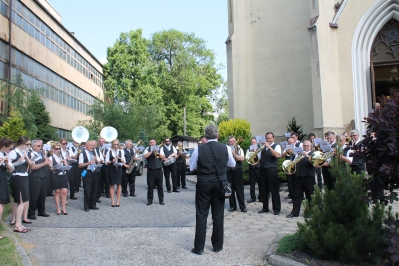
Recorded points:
(211, 160)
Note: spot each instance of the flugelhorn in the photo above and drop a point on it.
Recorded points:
(289, 166)
(252, 156)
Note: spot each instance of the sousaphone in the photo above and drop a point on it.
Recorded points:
(109, 134)
(80, 134)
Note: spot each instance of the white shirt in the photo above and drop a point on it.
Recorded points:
(277, 149)
(12, 156)
(169, 148)
(4, 155)
(300, 144)
(107, 159)
(57, 160)
(64, 153)
(194, 157)
(71, 152)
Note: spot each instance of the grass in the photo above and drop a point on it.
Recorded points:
(8, 252)
(291, 242)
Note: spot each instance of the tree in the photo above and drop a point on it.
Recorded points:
(339, 224)
(235, 127)
(293, 127)
(381, 148)
(36, 106)
(188, 76)
(13, 127)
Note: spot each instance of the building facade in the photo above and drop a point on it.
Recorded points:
(49, 59)
(322, 62)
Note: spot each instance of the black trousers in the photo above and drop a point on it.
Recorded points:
(129, 179)
(237, 188)
(253, 178)
(167, 171)
(181, 174)
(327, 177)
(72, 179)
(78, 178)
(356, 169)
(154, 178)
(268, 181)
(104, 186)
(207, 195)
(291, 182)
(319, 179)
(90, 185)
(98, 189)
(302, 184)
(38, 193)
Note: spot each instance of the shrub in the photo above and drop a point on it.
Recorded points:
(392, 236)
(340, 225)
(14, 127)
(293, 127)
(235, 127)
(290, 243)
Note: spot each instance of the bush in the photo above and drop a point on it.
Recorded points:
(290, 243)
(340, 225)
(281, 173)
(235, 127)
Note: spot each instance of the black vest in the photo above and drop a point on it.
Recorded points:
(358, 161)
(129, 154)
(298, 144)
(267, 159)
(209, 169)
(152, 161)
(166, 152)
(180, 159)
(304, 168)
(20, 168)
(41, 172)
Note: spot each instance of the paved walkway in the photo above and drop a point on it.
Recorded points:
(137, 234)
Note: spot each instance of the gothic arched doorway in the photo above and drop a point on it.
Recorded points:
(385, 60)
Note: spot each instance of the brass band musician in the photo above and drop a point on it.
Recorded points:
(235, 177)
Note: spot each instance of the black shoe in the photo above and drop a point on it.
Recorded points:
(218, 249)
(42, 214)
(178, 187)
(98, 201)
(184, 187)
(169, 191)
(276, 213)
(291, 215)
(125, 195)
(198, 252)
(133, 195)
(76, 190)
(244, 210)
(33, 217)
(86, 210)
(260, 200)
(232, 210)
(102, 194)
(289, 197)
(107, 196)
(175, 190)
(250, 200)
(26, 222)
(162, 203)
(73, 198)
(263, 211)
(94, 208)
(149, 202)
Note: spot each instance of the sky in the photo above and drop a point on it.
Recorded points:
(98, 23)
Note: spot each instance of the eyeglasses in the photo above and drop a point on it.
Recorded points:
(28, 144)
(167, 140)
(199, 143)
(354, 135)
(57, 149)
(39, 145)
(64, 143)
(116, 144)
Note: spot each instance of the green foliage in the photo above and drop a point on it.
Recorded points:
(339, 224)
(143, 136)
(290, 243)
(36, 106)
(281, 174)
(14, 127)
(235, 127)
(293, 127)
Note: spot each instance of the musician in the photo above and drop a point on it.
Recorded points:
(329, 180)
(289, 155)
(253, 171)
(19, 160)
(130, 154)
(37, 181)
(75, 181)
(311, 138)
(304, 179)
(234, 176)
(168, 151)
(59, 179)
(87, 162)
(181, 165)
(358, 164)
(104, 184)
(115, 156)
(99, 158)
(211, 160)
(268, 174)
(295, 137)
(343, 159)
(6, 145)
(154, 172)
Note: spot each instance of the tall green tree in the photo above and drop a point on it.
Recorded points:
(14, 126)
(42, 120)
(188, 75)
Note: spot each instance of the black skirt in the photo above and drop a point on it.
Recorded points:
(20, 189)
(115, 175)
(58, 181)
(4, 194)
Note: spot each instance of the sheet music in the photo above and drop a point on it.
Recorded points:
(155, 148)
(107, 146)
(118, 164)
(283, 144)
(298, 150)
(69, 145)
(317, 141)
(326, 148)
(98, 165)
(62, 167)
(260, 139)
(253, 147)
(46, 147)
(323, 142)
(287, 135)
(289, 147)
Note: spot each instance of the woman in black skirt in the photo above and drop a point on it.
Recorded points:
(20, 187)
(114, 156)
(59, 179)
(5, 147)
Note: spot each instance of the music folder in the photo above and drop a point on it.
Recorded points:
(287, 135)
(62, 167)
(260, 139)
(253, 147)
(155, 148)
(326, 148)
(289, 147)
(283, 144)
(317, 141)
(298, 150)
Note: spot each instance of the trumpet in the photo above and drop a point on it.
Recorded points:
(180, 149)
(156, 153)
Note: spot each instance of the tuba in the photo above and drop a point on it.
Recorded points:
(109, 134)
(289, 167)
(140, 142)
(236, 145)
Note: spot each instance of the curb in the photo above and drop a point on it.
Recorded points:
(282, 261)
(21, 251)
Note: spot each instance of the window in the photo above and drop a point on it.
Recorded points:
(25, 25)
